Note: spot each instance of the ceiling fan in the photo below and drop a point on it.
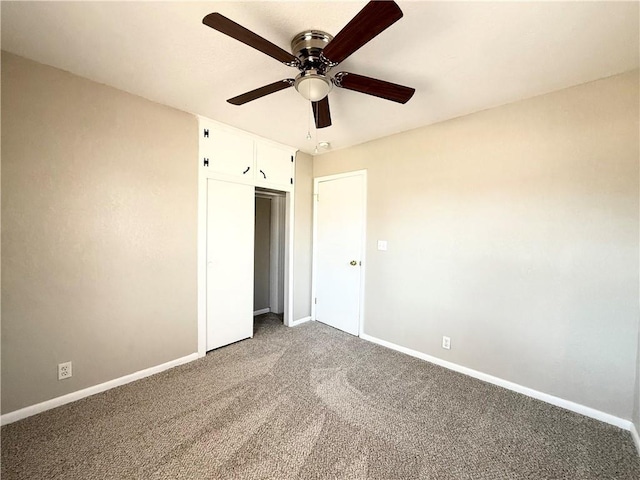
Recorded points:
(315, 53)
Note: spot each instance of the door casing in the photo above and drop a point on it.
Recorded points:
(277, 251)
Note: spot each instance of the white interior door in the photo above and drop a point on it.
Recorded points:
(230, 225)
(339, 234)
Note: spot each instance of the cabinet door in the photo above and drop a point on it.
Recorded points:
(274, 166)
(230, 237)
(228, 153)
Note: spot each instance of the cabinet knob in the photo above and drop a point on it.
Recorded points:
(353, 263)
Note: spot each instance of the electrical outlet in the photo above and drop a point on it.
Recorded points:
(446, 343)
(64, 370)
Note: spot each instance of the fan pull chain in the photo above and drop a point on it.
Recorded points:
(316, 149)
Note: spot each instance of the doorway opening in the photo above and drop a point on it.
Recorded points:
(269, 255)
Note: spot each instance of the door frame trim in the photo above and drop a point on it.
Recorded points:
(276, 255)
(314, 266)
(203, 176)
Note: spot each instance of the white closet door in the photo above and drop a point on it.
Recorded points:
(230, 224)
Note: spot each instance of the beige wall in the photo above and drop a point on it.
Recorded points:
(303, 206)
(99, 192)
(262, 246)
(515, 232)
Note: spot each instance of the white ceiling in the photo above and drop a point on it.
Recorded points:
(461, 57)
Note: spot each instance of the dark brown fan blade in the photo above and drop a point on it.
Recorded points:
(261, 92)
(321, 113)
(374, 18)
(228, 27)
(371, 86)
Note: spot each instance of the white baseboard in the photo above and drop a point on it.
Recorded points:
(636, 437)
(559, 402)
(545, 397)
(299, 321)
(261, 311)
(87, 392)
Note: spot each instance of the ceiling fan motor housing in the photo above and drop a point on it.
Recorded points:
(308, 46)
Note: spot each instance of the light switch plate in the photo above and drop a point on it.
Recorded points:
(382, 244)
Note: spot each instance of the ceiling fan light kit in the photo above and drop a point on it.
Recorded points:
(312, 85)
(315, 53)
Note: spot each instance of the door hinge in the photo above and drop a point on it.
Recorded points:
(206, 133)
(206, 162)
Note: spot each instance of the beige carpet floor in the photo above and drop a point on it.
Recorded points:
(311, 402)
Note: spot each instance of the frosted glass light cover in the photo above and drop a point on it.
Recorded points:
(313, 88)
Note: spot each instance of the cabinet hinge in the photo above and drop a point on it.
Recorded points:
(315, 300)
(206, 133)
(206, 162)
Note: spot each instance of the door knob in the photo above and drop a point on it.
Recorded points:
(353, 262)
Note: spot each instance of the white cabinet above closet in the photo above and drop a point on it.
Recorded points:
(274, 165)
(226, 152)
(233, 155)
